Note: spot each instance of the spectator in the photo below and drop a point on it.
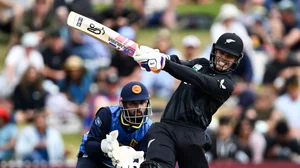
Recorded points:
(227, 21)
(38, 20)
(19, 58)
(288, 105)
(61, 14)
(108, 87)
(223, 143)
(94, 53)
(64, 114)
(11, 12)
(29, 95)
(263, 110)
(289, 24)
(159, 13)
(119, 15)
(39, 143)
(249, 141)
(281, 67)
(77, 82)
(83, 7)
(282, 146)
(8, 134)
(55, 55)
(255, 18)
(191, 45)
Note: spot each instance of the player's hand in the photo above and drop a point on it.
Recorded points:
(150, 59)
(142, 51)
(110, 143)
(145, 50)
(126, 156)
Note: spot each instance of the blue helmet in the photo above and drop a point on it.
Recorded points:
(131, 92)
(134, 91)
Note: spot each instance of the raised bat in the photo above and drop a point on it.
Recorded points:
(102, 33)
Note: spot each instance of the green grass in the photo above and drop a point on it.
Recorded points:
(210, 9)
(2, 55)
(72, 142)
(3, 48)
(196, 9)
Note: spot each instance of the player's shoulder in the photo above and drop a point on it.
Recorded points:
(202, 61)
(108, 111)
(148, 123)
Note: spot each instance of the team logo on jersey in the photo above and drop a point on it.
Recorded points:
(133, 143)
(136, 89)
(98, 122)
(229, 41)
(197, 67)
(221, 84)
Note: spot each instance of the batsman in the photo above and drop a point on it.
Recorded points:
(117, 137)
(205, 86)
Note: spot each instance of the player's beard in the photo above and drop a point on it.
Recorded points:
(134, 115)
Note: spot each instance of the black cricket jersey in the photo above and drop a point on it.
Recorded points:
(201, 91)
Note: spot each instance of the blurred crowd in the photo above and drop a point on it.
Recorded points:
(55, 78)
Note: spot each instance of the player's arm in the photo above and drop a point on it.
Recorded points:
(219, 86)
(189, 63)
(99, 129)
(153, 60)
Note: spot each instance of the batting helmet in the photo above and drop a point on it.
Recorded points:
(229, 43)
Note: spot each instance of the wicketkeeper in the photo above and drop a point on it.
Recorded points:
(117, 135)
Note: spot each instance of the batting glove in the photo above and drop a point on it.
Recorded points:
(110, 143)
(144, 50)
(151, 59)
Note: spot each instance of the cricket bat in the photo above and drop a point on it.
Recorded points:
(102, 33)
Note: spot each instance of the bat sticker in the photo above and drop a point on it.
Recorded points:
(96, 30)
(79, 22)
(118, 43)
(102, 33)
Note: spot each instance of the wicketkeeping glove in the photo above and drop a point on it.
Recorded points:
(110, 143)
(127, 157)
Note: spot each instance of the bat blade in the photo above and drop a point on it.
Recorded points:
(102, 33)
